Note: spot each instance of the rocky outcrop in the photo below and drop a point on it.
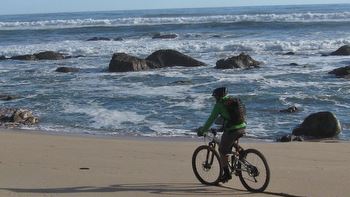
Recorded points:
(2, 57)
(169, 58)
(344, 50)
(319, 125)
(122, 62)
(290, 138)
(343, 72)
(67, 69)
(46, 55)
(5, 97)
(164, 36)
(240, 61)
(17, 117)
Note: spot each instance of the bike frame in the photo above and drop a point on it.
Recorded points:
(235, 160)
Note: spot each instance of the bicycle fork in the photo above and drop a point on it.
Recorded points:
(209, 157)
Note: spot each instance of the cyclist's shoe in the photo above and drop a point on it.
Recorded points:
(225, 177)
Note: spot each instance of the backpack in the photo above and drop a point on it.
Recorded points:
(236, 109)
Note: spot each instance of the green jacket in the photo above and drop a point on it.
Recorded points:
(220, 109)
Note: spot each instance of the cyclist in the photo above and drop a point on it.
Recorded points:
(231, 131)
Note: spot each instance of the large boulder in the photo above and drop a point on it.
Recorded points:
(122, 62)
(169, 58)
(319, 125)
(341, 72)
(17, 117)
(2, 57)
(344, 50)
(240, 61)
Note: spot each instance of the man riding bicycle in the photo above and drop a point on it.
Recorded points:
(232, 129)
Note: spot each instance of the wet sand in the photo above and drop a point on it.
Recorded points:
(36, 164)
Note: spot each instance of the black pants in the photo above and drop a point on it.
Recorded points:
(227, 140)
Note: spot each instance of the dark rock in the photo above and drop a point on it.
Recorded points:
(344, 50)
(341, 72)
(49, 55)
(24, 57)
(320, 125)
(290, 138)
(289, 53)
(290, 110)
(182, 82)
(118, 39)
(164, 36)
(99, 39)
(122, 62)
(294, 64)
(7, 97)
(16, 117)
(67, 69)
(73, 56)
(169, 58)
(240, 61)
(2, 57)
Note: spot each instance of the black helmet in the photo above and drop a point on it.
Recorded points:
(220, 92)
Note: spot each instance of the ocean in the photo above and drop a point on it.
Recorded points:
(174, 101)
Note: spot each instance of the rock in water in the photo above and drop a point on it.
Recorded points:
(122, 62)
(67, 69)
(17, 117)
(320, 125)
(344, 50)
(341, 72)
(169, 58)
(46, 55)
(24, 57)
(164, 36)
(240, 61)
(49, 55)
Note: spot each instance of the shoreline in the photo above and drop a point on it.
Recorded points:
(244, 139)
(36, 164)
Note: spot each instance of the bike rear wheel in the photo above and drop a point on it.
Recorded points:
(254, 171)
(206, 165)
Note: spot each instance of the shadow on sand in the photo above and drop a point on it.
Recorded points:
(152, 188)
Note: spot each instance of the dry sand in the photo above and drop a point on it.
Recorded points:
(34, 164)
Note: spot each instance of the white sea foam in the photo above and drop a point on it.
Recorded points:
(207, 49)
(104, 118)
(132, 21)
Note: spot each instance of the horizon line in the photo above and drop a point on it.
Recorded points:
(118, 10)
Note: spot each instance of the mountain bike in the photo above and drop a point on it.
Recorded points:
(249, 165)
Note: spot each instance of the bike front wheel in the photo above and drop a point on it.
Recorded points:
(253, 171)
(206, 165)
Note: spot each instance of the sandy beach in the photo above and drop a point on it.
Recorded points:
(35, 164)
